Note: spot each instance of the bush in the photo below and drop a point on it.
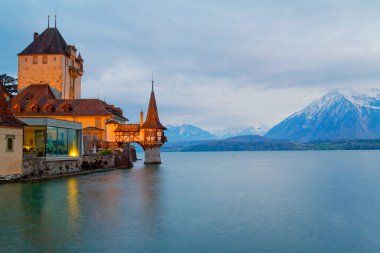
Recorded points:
(106, 152)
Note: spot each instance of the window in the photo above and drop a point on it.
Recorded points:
(35, 59)
(72, 137)
(34, 108)
(44, 59)
(49, 108)
(98, 122)
(66, 108)
(26, 59)
(17, 108)
(61, 142)
(54, 58)
(10, 145)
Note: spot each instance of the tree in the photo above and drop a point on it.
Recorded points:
(10, 84)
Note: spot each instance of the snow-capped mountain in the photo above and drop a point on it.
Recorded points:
(239, 131)
(185, 132)
(340, 114)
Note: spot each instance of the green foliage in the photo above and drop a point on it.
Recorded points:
(106, 152)
(10, 83)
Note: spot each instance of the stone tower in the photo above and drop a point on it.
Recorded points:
(153, 133)
(50, 60)
(150, 135)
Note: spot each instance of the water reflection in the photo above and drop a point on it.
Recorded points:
(33, 204)
(72, 200)
(147, 180)
(33, 199)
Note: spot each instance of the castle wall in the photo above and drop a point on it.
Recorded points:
(11, 162)
(33, 69)
(40, 72)
(110, 132)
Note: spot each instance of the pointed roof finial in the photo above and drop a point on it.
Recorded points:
(152, 83)
(55, 20)
(48, 21)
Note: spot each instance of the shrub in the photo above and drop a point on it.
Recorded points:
(106, 152)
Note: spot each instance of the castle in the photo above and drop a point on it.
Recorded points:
(49, 87)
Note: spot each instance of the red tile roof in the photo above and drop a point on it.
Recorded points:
(152, 119)
(41, 95)
(6, 116)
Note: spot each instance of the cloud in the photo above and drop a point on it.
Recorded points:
(217, 63)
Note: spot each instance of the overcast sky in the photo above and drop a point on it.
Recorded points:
(217, 63)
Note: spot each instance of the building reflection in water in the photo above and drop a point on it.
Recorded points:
(33, 213)
(73, 208)
(147, 198)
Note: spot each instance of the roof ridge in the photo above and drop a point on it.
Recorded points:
(57, 34)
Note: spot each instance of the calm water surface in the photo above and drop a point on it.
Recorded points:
(324, 201)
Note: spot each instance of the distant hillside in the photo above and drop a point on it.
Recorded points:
(367, 144)
(259, 143)
(179, 146)
(340, 114)
(244, 143)
(185, 132)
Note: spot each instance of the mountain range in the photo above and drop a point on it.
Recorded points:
(341, 119)
(189, 133)
(240, 131)
(340, 114)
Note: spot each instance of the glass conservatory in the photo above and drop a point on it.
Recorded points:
(45, 137)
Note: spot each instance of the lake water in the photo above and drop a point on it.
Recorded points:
(322, 201)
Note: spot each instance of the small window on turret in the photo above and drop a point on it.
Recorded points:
(35, 59)
(44, 59)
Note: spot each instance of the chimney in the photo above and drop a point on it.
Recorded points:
(35, 36)
(141, 118)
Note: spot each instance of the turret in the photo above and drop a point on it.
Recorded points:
(154, 136)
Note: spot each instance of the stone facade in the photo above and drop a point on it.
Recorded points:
(53, 70)
(11, 161)
(38, 167)
(152, 155)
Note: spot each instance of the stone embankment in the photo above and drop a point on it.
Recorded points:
(45, 168)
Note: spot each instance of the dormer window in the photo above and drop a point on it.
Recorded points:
(67, 108)
(35, 59)
(49, 108)
(17, 108)
(34, 108)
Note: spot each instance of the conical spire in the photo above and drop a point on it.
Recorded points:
(152, 119)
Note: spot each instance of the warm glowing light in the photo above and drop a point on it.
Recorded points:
(72, 198)
(73, 149)
(73, 153)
